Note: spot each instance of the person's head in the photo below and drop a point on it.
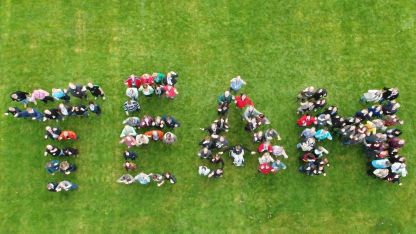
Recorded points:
(205, 150)
(71, 85)
(49, 147)
(155, 135)
(48, 128)
(90, 85)
(30, 110)
(47, 112)
(226, 93)
(238, 147)
(132, 76)
(61, 105)
(64, 164)
(154, 74)
(243, 96)
(217, 157)
(238, 77)
(50, 186)
(167, 175)
(401, 142)
(222, 138)
(145, 86)
(14, 96)
(251, 108)
(213, 126)
(168, 135)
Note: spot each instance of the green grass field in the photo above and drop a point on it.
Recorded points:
(278, 47)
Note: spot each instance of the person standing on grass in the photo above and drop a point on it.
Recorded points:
(133, 81)
(131, 106)
(146, 90)
(77, 90)
(129, 166)
(21, 97)
(129, 155)
(170, 91)
(129, 141)
(250, 113)
(170, 122)
(236, 84)
(128, 131)
(68, 135)
(170, 79)
(42, 95)
(226, 97)
(155, 135)
(169, 138)
(60, 94)
(94, 108)
(132, 93)
(158, 77)
(95, 90)
(213, 130)
(142, 139)
(216, 173)
(147, 79)
(242, 101)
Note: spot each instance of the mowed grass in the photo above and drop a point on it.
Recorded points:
(278, 47)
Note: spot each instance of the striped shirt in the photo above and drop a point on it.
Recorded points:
(131, 106)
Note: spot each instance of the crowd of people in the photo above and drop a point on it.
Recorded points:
(138, 132)
(215, 143)
(314, 155)
(61, 165)
(62, 110)
(374, 127)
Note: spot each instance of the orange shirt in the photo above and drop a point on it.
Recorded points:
(150, 134)
(70, 135)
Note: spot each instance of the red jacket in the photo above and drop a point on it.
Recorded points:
(159, 134)
(243, 103)
(263, 148)
(306, 120)
(70, 135)
(147, 80)
(133, 82)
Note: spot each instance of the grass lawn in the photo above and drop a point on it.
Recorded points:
(278, 47)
